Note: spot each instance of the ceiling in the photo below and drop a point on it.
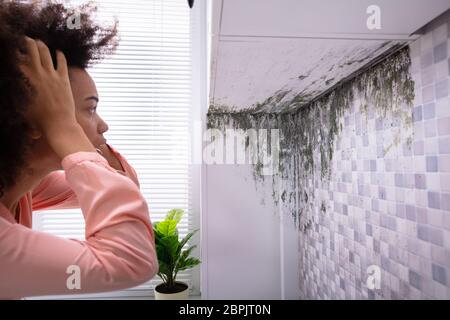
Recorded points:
(272, 52)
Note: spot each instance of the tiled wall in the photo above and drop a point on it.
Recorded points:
(391, 211)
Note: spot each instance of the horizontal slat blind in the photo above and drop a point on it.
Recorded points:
(145, 91)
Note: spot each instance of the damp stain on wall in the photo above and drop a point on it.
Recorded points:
(309, 130)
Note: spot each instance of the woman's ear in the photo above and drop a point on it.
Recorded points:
(35, 134)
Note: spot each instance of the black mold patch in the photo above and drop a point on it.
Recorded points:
(308, 134)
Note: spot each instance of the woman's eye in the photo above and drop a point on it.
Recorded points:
(93, 109)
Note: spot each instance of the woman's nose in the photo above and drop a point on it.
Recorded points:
(103, 127)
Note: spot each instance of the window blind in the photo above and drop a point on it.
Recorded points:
(145, 95)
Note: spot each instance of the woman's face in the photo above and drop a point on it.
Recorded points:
(86, 99)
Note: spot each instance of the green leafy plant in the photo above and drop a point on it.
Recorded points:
(172, 259)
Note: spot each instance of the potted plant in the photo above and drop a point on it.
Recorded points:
(171, 258)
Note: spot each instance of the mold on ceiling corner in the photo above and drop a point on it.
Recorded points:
(266, 59)
(276, 76)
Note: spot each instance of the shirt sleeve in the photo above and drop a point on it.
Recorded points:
(53, 192)
(119, 250)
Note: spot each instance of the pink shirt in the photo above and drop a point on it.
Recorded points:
(119, 250)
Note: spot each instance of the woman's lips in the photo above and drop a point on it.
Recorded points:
(102, 142)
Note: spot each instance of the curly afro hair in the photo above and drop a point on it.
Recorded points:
(82, 43)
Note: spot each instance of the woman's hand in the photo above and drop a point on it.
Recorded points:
(52, 109)
(53, 106)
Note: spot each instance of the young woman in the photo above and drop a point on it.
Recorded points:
(49, 123)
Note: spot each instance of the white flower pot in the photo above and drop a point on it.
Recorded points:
(183, 294)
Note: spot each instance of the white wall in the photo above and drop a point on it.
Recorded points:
(242, 237)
